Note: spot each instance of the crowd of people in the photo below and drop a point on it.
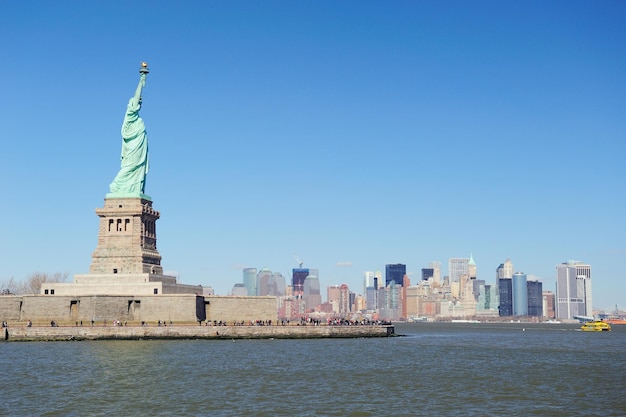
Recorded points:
(304, 321)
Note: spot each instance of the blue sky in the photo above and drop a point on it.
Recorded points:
(353, 134)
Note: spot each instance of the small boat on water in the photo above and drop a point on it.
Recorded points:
(596, 326)
(615, 321)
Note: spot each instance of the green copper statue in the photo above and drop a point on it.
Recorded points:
(130, 181)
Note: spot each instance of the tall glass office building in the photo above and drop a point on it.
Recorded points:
(458, 267)
(505, 289)
(488, 299)
(535, 298)
(520, 294)
(297, 280)
(249, 280)
(395, 273)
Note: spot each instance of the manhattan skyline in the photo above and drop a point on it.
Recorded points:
(353, 134)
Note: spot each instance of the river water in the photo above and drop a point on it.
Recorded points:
(436, 369)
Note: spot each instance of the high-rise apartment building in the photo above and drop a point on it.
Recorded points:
(395, 273)
(573, 290)
(344, 299)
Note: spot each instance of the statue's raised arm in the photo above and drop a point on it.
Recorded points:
(130, 181)
(142, 82)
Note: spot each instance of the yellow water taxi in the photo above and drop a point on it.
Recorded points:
(596, 326)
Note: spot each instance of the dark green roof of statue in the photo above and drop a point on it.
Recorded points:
(130, 181)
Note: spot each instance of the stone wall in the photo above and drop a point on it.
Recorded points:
(47, 333)
(178, 308)
(10, 308)
(119, 284)
(231, 309)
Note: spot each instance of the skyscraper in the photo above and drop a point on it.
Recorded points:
(395, 273)
(520, 294)
(436, 267)
(298, 277)
(488, 300)
(263, 282)
(368, 280)
(333, 293)
(279, 284)
(471, 267)
(427, 273)
(344, 299)
(249, 280)
(370, 298)
(505, 270)
(312, 296)
(573, 290)
(535, 298)
(548, 304)
(239, 290)
(505, 292)
(458, 267)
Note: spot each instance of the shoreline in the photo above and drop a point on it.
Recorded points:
(79, 333)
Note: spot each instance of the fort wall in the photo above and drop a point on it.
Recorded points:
(179, 308)
(65, 333)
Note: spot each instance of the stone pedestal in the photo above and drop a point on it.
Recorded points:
(127, 238)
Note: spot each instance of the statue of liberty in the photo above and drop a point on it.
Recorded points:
(130, 181)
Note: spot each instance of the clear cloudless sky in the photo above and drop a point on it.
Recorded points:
(352, 134)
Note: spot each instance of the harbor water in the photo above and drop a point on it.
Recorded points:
(435, 369)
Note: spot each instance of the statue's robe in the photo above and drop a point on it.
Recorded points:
(131, 179)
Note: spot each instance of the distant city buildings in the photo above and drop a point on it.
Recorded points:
(249, 280)
(368, 280)
(239, 290)
(395, 273)
(505, 270)
(297, 282)
(535, 298)
(457, 268)
(505, 289)
(548, 302)
(573, 290)
(263, 282)
(312, 295)
(461, 295)
(520, 294)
